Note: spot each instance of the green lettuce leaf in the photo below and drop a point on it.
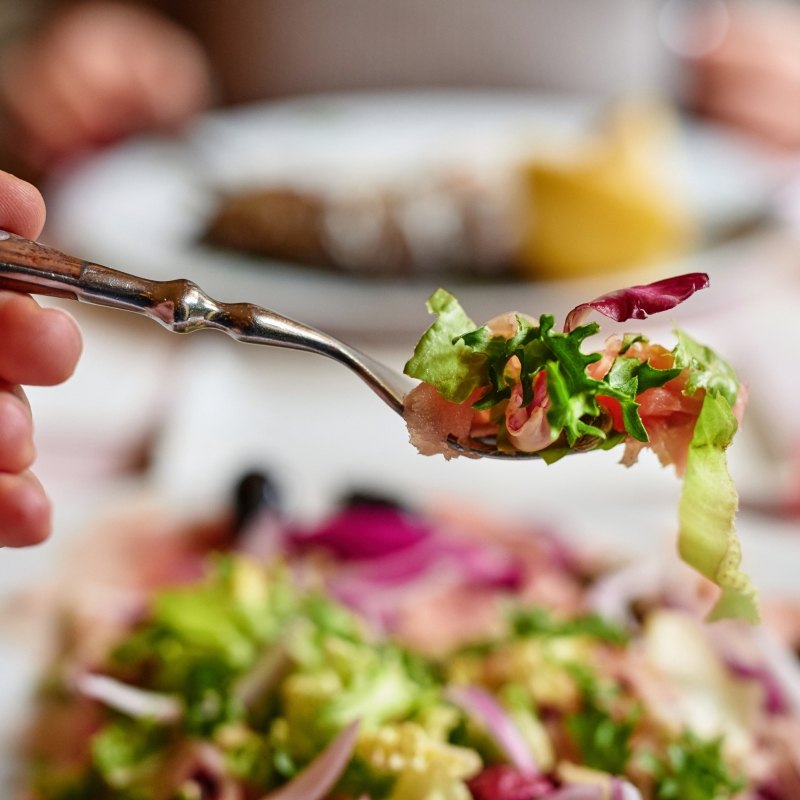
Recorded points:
(567, 407)
(443, 361)
(707, 539)
(647, 377)
(573, 392)
(630, 339)
(526, 345)
(709, 371)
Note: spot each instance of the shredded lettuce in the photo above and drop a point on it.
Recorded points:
(708, 370)
(452, 367)
(458, 361)
(707, 539)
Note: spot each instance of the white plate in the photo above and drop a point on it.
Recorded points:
(142, 205)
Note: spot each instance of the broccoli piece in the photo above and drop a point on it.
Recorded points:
(56, 783)
(247, 755)
(318, 704)
(209, 697)
(603, 741)
(360, 779)
(602, 737)
(693, 769)
(539, 622)
(228, 617)
(127, 752)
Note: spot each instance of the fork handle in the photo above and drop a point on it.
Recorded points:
(27, 266)
(179, 305)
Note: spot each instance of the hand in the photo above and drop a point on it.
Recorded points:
(751, 80)
(39, 347)
(98, 72)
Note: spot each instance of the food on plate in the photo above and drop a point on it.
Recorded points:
(387, 654)
(450, 222)
(521, 385)
(600, 204)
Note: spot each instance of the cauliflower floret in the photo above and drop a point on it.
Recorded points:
(426, 767)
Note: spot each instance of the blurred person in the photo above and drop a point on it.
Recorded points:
(85, 73)
(94, 73)
(40, 347)
(88, 72)
(750, 76)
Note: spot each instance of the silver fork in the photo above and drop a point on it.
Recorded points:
(182, 307)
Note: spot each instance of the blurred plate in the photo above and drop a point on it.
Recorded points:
(142, 206)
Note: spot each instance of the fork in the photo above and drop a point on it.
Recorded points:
(183, 307)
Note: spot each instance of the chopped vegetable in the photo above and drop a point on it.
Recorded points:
(522, 695)
(639, 302)
(319, 777)
(708, 507)
(692, 770)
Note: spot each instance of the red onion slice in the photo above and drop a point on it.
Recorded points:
(130, 700)
(623, 790)
(639, 302)
(320, 776)
(781, 662)
(480, 704)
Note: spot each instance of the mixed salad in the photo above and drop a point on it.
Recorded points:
(521, 385)
(396, 656)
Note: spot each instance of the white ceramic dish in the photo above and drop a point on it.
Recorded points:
(142, 205)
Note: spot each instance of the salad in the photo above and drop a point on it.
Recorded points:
(390, 655)
(521, 385)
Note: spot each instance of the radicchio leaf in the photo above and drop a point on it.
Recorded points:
(365, 532)
(639, 302)
(623, 790)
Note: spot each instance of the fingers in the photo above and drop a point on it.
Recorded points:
(17, 451)
(40, 346)
(24, 510)
(21, 207)
(24, 507)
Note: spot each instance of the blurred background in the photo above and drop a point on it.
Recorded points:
(336, 161)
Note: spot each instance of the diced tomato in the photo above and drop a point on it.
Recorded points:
(614, 409)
